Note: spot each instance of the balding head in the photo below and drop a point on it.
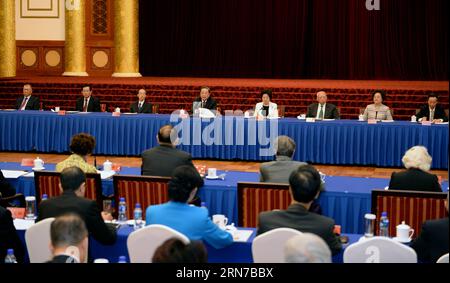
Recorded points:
(307, 248)
(285, 146)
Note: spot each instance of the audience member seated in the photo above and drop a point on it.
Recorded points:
(378, 110)
(307, 248)
(27, 101)
(9, 239)
(175, 251)
(322, 109)
(72, 184)
(432, 111)
(69, 239)
(6, 189)
(417, 161)
(141, 106)
(87, 103)
(177, 214)
(266, 108)
(432, 243)
(305, 184)
(279, 171)
(163, 159)
(81, 146)
(205, 100)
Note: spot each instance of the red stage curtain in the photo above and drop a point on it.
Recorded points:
(332, 39)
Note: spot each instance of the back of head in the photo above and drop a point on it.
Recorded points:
(307, 248)
(285, 146)
(82, 144)
(164, 134)
(417, 157)
(71, 178)
(305, 183)
(67, 230)
(175, 251)
(184, 180)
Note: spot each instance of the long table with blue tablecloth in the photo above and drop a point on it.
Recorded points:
(238, 252)
(228, 138)
(346, 199)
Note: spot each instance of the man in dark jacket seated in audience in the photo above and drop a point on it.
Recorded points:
(432, 242)
(72, 200)
(9, 239)
(305, 183)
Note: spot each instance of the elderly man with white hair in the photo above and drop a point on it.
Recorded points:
(307, 248)
(417, 161)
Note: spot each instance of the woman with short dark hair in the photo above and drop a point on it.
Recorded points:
(378, 110)
(81, 146)
(192, 221)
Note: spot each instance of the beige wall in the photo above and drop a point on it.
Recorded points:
(48, 24)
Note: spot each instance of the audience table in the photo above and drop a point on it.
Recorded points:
(346, 199)
(238, 252)
(324, 142)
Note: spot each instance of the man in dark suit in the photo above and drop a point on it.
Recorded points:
(72, 184)
(27, 101)
(432, 242)
(432, 111)
(87, 103)
(163, 159)
(322, 109)
(9, 239)
(417, 161)
(69, 239)
(141, 106)
(279, 171)
(305, 184)
(205, 100)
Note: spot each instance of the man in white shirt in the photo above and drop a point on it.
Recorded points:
(322, 109)
(432, 111)
(141, 106)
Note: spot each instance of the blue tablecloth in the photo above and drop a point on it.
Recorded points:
(346, 199)
(238, 252)
(330, 142)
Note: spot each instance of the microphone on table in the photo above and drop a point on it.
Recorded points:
(376, 115)
(95, 162)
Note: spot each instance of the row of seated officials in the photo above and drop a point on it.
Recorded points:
(165, 160)
(432, 111)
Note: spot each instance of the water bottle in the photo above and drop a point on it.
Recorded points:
(44, 197)
(384, 225)
(122, 210)
(10, 258)
(122, 259)
(137, 216)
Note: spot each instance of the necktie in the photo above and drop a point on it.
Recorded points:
(321, 112)
(85, 105)
(203, 103)
(431, 115)
(140, 106)
(24, 103)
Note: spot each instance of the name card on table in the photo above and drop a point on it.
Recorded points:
(62, 112)
(310, 120)
(426, 123)
(17, 212)
(27, 162)
(116, 114)
(372, 121)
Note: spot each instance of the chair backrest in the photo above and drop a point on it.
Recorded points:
(47, 182)
(143, 243)
(140, 189)
(37, 238)
(410, 206)
(281, 110)
(379, 250)
(155, 108)
(443, 259)
(254, 198)
(269, 247)
(417, 111)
